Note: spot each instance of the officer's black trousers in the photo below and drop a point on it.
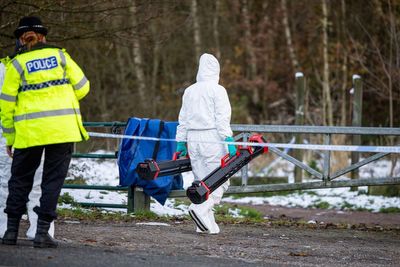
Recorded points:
(25, 162)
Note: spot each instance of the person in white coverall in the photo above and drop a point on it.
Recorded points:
(5, 174)
(205, 116)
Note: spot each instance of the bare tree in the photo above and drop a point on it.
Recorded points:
(288, 35)
(137, 57)
(344, 69)
(252, 62)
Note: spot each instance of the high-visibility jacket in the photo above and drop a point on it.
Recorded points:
(40, 97)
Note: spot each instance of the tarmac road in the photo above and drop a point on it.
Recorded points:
(74, 255)
(135, 244)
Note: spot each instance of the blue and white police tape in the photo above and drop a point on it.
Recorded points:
(375, 149)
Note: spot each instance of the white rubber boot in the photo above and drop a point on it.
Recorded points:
(203, 217)
(213, 226)
(214, 229)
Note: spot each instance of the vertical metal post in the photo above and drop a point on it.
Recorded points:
(245, 169)
(298, 153)
(137, 200)
(327, 158)
(356, 121)
(131, 196)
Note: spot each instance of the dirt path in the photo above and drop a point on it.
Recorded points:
(176, 244)
(324, 216)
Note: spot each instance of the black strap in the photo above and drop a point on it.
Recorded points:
(157, 145)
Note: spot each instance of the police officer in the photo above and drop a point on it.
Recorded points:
(39, 113)
(5, 173)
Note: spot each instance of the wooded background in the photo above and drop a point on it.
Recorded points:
(140, 55)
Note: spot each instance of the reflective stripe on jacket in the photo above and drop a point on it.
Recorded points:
(40, 99)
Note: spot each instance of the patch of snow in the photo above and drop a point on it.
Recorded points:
(169, 208)
(154, 224)
(235, 213)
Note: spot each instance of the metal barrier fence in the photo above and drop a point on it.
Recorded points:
(137, 200)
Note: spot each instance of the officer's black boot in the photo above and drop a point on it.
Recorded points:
(10, 236)
(42, 237)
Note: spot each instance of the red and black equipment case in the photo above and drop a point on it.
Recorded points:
(199, 191)
(150, 169)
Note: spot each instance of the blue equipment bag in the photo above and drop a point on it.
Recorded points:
(133, 151)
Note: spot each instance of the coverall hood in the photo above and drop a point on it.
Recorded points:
(208, 69)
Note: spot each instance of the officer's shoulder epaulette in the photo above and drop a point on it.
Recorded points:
(5, 60)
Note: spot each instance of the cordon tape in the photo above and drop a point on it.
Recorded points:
(351, 148)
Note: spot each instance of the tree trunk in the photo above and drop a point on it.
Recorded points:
(265, 29)
(343, 108)
(196, 29)
(154, 77)
(390, 82)
(248, 42)
(252, 63)
(216, 30)
(289, 43)
(393, 34)
(327, 102)
(137, 58)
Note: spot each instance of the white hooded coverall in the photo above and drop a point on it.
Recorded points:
(205, 115)
(5, 175)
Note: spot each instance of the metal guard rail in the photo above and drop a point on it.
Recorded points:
(137, 200)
